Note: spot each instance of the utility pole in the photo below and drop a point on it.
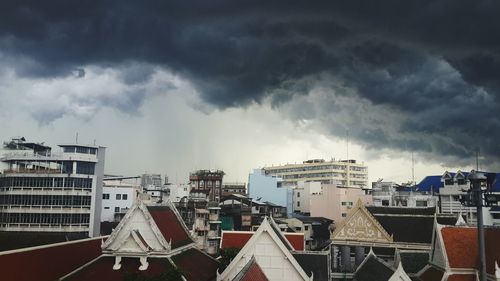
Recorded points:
(473, 198)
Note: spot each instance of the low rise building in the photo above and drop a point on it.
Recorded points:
(234, 188)
(118, 196)
(316, 230)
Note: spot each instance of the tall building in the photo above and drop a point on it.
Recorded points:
(42, 191)
(345, 173)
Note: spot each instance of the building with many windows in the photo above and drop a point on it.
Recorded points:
(345, 173)
(43, 191)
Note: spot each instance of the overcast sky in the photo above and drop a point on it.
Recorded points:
(174, 86)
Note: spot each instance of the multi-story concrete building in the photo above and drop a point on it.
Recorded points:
(42, 191)
(345, 173)
(118, 196)
(209, 182)
(335, 202)
(302, 196)
(262, 187)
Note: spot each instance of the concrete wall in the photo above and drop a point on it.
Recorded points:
(334, 202)
(267, 188)
(109, 205)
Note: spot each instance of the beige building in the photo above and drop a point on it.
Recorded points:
(346, 173)
(335, 202)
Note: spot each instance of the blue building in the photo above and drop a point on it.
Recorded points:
(263, 188)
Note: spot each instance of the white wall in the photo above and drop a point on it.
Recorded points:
(109, 205)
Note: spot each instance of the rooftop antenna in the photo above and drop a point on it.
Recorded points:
(412, 169)
(477, 159)
(76, 138)
(347, 142)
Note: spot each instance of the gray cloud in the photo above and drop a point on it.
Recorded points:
(420, 75)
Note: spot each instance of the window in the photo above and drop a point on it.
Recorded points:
(118, 197)
(106, 208)
(298, 203)
(105, 196)
(344, 215)
(117, 209)
(421, 203)
(298, 228)
(385, 202)
(298, 194)
(124, 196)
(306, 227)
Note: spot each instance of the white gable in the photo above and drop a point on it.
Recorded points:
(437, 254)
(273, 257)
(400, 275)
(136, 234)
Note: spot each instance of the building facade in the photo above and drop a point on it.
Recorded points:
(262, 187)
(335, 202)
(302, 196)
(234, 188)
(346, 173)
(117, 198)
(42, 191)
(209, 182)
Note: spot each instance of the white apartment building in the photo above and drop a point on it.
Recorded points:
(345, 173)
(175, 192)
(117, 198)
(42, 191)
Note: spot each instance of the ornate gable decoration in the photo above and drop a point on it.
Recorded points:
(136, 235)
(360, 225)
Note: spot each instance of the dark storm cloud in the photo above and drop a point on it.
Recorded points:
(435, 64)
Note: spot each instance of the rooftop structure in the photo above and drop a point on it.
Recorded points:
(42, 191)
(346, 173)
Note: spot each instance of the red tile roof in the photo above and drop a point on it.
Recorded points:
(462, 277)
(170, 226)
(432, 274)
(461, 247)
(48, 262)
(102, 269)
(238, 239)
(195, 265)
(251, 272)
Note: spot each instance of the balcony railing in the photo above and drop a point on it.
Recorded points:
(32, 171)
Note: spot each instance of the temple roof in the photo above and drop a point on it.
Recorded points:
(251, 272)
(238, 239)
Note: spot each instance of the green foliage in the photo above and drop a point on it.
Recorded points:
(227, 255)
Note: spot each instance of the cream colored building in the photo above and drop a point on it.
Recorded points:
(345, 173)
(335, 202)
